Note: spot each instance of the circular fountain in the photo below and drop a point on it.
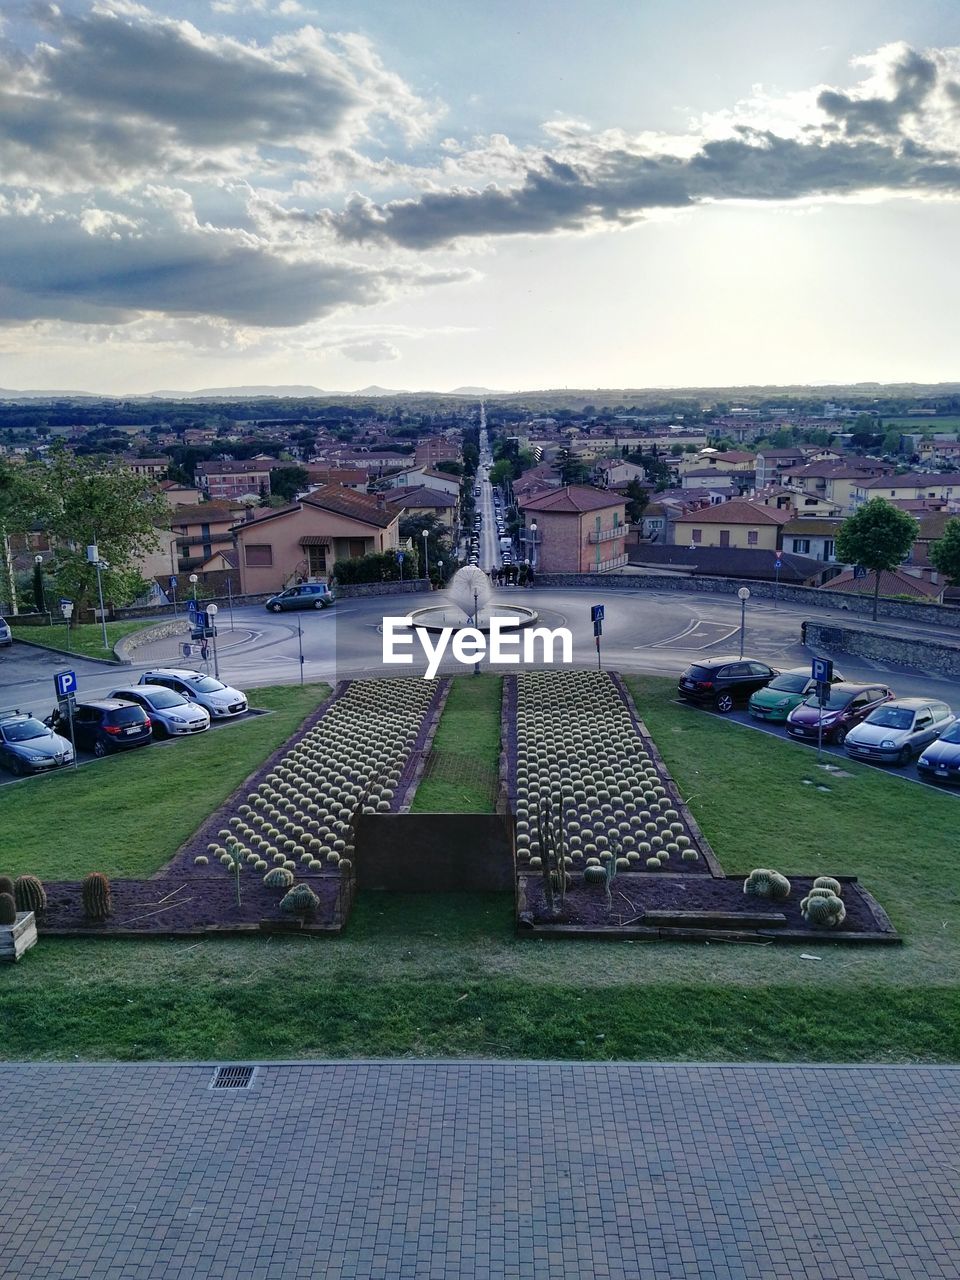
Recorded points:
(467, 603)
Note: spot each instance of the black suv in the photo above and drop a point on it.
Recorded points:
(722, 682)
(105, 725)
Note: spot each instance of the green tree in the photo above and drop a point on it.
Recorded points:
(501, 472)
(572, 469)
(878, 536)
(14, 518)
(637, 499)
(286, 482)
(85, 501)
(891, 441)
(945, 552)
(438, 544)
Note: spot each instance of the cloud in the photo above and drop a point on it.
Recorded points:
(375, 351)
(905, 141)
(119, 93)
(96, 270)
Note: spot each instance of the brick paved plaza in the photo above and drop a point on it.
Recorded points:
(436, 1170)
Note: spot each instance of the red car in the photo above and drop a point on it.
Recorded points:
(847, 704)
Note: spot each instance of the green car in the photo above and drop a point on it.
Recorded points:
(776, 700)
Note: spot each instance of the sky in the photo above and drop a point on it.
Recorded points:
(664, 193)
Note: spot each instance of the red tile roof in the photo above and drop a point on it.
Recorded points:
(572, 499)
(892, 583)
(740, 511)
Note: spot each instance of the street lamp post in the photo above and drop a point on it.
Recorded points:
(193, 582)
(440, 571)
(426, 556)
(476, 623)
(93, 557)
(743, 595)
(533, 553)
(42, 602)
(212, 615)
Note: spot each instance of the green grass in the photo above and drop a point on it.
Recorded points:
(127, 815)
(445, 975)
(85, 639)
(461, 773)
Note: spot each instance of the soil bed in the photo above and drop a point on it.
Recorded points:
(585, 908)
(194, 904)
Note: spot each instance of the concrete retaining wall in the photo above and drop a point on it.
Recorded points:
(936, 658)
(937, 615)
(359, 590)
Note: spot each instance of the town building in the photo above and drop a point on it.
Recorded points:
(423, 501)
(738, 523)
(916, 485)
(579, 530)
(306, 538)
(202, 530)
(230, 480)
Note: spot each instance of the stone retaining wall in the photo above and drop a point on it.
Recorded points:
(359, 590)
(938, 615)
(936, 658)
(125, 648)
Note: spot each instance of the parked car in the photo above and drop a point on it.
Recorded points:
(219, 699)
(723, 682)
(27, 745)
(846, 706)
(775, 701)
(6, 635)
(306, 595)
(940, 762)
(104, 725)
(899, 730)
(171, 714)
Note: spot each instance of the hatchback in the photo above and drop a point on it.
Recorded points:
(105, 725)
(899, 730)
(847, 704)
(775, 701)
(940, 761)
(723, 682)
(219, 699)
(171, 714)
(306, 595)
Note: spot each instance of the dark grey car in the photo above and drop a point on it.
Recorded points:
(29, 746)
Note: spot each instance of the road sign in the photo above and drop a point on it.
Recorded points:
(822, 670)
(65, 682)
(64, 602)
(779, 560)
(598, 628)
(187, 650)
(823, 692)
(191, 606)
(596, 613)
(173, 582)
(860, 570)
(400, 556)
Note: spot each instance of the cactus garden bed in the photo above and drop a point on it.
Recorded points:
(288, 825)
(593, 796)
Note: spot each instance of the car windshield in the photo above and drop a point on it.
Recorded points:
(891, 717)
(697, 673)
(207, 684)
(23, 730)
(789, 683)
(166, 698)
(952, 734)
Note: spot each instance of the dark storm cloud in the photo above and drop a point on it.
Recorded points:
(914, 77)
(55, 270)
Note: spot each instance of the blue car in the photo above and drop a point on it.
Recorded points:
(940, 762)
(306, 595)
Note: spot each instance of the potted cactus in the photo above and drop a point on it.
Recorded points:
(18, 929)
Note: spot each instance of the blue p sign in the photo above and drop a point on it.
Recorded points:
(822, 670)
(65, 682)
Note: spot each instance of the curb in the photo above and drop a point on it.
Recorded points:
(69, 653)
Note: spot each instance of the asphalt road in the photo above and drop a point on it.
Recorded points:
(490, 557)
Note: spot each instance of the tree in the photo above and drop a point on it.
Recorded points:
(451, 467)
(14, 518)
(286, 482)
(438, 543)
(945, 552)
(572, 470)
(81, 502)
(501, 472)
(637, 500)
(878, 536)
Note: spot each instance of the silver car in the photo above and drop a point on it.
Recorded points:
(170, 713)
(6, 635)
(899, 730)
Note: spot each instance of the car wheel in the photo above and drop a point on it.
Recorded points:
(840, 735)
(14, 766)
(724, 703)
(275, 608)
(319, 604)
(99, 750)
(905, 756)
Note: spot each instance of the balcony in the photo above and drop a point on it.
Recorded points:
(615, 562)
(607, 535)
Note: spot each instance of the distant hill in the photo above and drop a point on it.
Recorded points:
(6, 394)
(476, 391)
(239, 393)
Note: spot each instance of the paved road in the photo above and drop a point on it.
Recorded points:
(473, 1171)
(490, 557)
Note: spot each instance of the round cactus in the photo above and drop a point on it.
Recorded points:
(689, 855)
(763, 883)
(278, 878)
(594, 875)
(824, 913)
(29, 894)
(96, 895)
(828, 882)
(201, 860)
(653, 864)
(299, 900)
(8, 909)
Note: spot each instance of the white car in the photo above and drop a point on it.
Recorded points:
(170, 713)
(219, 699)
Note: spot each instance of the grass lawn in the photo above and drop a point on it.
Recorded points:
(126, 815)
(461, 775)
(445, 975)
(86, 638)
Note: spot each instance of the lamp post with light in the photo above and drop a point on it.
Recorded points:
(743, 595)
(426, 556)
(533, 553)
(212, 611)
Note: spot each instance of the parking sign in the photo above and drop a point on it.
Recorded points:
(822, 670)
(65, 682)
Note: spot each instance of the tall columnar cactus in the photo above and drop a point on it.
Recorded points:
(762, 883)
(30, 894)
(97, 898)
(553, 870)
(8, 909)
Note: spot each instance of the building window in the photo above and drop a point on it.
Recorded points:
(753, 537)
(259, 555)
(317, 561)
(828, 549)
(802, 546)
(697, 535)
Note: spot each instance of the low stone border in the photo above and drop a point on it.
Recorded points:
(125, 648)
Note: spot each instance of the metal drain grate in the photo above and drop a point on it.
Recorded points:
(232, 1078)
